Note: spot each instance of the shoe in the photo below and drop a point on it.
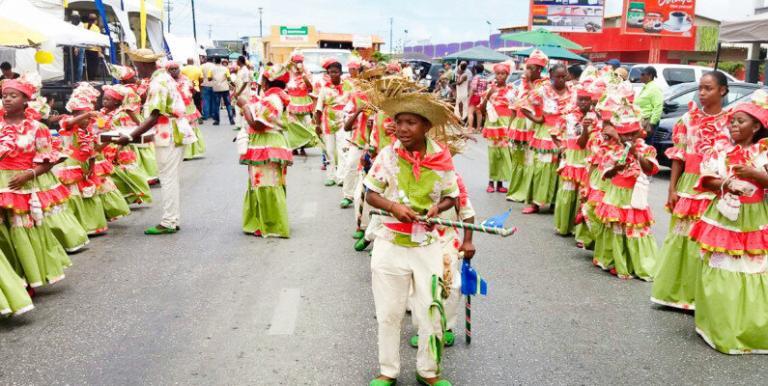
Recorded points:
(502, 190)
(257, 233)
(231, 122)
(530, 209)
(330, 182)
(340, 184)
(160, 230)
(361, 244)
(295, 152)
(580, 245)
(422, 381)
(345, 203)
(302, 152)
(414, 342)
(215, 123)
(323, 167)
(449, 338)
(490, 189)
(358, 235)
(383, 382)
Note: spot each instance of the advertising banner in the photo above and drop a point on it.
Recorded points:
(659, 17)
(567, 15)
(294, 34)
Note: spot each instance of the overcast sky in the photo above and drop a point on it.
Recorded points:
(437, 21)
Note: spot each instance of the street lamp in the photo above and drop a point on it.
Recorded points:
(490, 32)
(405, 40)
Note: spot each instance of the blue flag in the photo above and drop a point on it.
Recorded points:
(471, 282)
(498, 220)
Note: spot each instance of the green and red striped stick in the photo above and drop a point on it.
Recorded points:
(503, 232)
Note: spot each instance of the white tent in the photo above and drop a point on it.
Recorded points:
(52, 26)
(183, 48)
(753, 29)
(154, 22)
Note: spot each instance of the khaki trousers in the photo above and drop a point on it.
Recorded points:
(169, 159)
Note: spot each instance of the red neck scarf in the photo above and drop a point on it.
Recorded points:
(440, 161)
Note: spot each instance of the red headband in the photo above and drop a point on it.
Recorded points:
(25, 88)
(328, 62)
(626, 128)
(753, 110)
(110, 92)
(501, 67)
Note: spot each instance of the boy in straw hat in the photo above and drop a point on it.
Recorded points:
(413, 177)
(165, 112)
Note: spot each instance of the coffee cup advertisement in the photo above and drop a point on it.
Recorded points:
(659, 17)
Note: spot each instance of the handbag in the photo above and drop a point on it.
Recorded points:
(640, 192)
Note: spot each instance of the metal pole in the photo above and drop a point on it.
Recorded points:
(168, 11)
(717, 55)
(391, 41)
(194, 21)
(261, 31)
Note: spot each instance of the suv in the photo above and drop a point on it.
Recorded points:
(671, 74)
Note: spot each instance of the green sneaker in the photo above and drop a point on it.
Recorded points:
(449, 336)
(330, 182)
(361, 244)
(358, 235)
(414, 341)
(160, 230)
(383, 382)
(424, 382)
(345, 203)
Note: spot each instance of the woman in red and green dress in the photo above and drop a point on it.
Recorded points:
(732, 289)
(264, 149)
(692, 136)
(572, 135)
(528, 105)
(541, 177)
(496, 130)
(120, 112)
(300, 107)
(32, 199)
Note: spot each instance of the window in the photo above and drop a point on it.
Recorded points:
(634, 74)
(736, 93)
(682, 100)
(675, 76)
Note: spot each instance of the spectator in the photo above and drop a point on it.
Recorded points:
(407, 71)
(77, 52)
(220, 78)
(449, 77)
(92, 54)
(195, 74)
(622, 73)
(574, 73)
(7, 71)
(206, 88)
(614, 63)
(477, 89)
(463, 78)
(650, 101)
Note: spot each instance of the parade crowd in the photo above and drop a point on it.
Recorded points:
(571, 145)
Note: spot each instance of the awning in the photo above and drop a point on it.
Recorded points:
(478, 54)
(56, 30)
(753, 29)
(554, 53)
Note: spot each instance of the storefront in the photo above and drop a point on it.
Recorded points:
(283, 40)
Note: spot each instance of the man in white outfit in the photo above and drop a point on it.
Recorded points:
(463, 77)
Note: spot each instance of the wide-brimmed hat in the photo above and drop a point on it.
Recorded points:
(757, 107)
(144, 55)
(437, 112)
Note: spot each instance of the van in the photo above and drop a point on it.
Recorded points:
(671, 74)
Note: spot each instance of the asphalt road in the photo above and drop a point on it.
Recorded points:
(211, 305)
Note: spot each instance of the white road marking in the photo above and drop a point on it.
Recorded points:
(309, 210)
(286, 312)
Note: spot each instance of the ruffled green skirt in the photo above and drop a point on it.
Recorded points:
(132, 184)
(145, 156)
(196, 149)
(300, 134)
(14, 299)
(521, 173)
(679, 268)
(114, 204)
(566, 207)
(67, 230)
(732, 310)
(265, 210)
(39, 257)
(89, 212)
(499, 164)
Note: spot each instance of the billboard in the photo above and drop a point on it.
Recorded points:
(567, 15)
(294, 34)
(659, 17)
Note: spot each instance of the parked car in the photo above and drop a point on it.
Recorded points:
(671, 74)
(676, 101)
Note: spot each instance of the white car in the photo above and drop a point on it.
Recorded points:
(314, 57)
(671, 74)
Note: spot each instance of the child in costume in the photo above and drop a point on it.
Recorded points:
(120, 112)
(357, 115)
(572, 135)
(332, 97)
(732, 292)
(496, 130)
(264, 149)
(693, 137)
(184, 85)
(413, 177)
(528, 106)
(301, 131)
(626, 235)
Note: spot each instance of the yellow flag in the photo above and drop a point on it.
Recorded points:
(65, 3)
(143, 22)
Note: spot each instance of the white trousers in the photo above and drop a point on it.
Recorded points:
(453, 302)
(350, 174)
(330, 156)
(169, 159)
(362, 209)
(461, 99)
(342, 147)
(394, 270)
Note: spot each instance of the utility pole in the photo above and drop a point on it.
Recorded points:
(210, 29)
(261, 31)
(168, 11)
(194, 22)
(391, 42)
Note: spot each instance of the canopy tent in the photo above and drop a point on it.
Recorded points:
(554, 53)
(478, 54)
(183, 48)
(13, 34)
(53, 28)
(154, 23)
(753, 29)
(542, 37)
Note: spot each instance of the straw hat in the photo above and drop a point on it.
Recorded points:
(144, 55)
